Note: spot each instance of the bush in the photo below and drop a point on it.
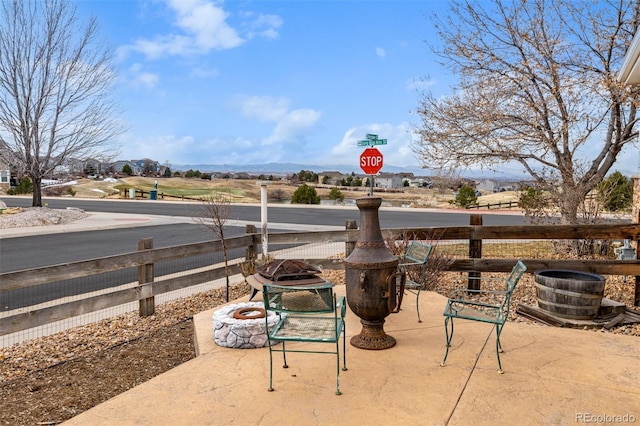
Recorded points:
(616, 192)
(336, 194)
(59, 191)
(466, 197)
(305, 194)
(278, 194)
(25, 187)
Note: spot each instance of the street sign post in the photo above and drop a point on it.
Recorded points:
(371, 163)
(371, 140)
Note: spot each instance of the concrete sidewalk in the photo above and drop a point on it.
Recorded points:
(552, 376)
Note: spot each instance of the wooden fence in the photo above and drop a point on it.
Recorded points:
(499, 205)
(147, 286)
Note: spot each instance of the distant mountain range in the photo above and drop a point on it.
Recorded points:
(285, 168)
(281, 169)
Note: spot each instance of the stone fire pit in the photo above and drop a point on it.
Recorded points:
(245, 329)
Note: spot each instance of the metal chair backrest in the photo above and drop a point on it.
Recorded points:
(312, 299)
(516, 273)
(417, 255)
(418, 252)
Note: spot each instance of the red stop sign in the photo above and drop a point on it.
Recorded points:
(371, 161)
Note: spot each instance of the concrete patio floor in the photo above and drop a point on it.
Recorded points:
(553, 376)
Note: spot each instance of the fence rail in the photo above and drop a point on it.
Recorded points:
(499, 205)
(149, 286)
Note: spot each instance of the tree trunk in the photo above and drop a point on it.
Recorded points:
(37, 191)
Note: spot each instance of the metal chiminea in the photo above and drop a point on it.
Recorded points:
(370, 277)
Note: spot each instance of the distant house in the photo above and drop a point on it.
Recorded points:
(92, 166)
(118, 165)
(330, 178)
(419, 181)
(241, 175)
(487, 186)
(5, 176)
(148, 166)
(389, 181)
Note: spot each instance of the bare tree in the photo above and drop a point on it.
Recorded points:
(537, 85)
(55, 76)
(214, 213)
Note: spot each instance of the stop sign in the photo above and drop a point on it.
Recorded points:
(371, 161)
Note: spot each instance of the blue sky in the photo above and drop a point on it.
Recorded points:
(254, 82)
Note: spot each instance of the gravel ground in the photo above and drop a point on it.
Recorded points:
(17, 217)
(51, 379)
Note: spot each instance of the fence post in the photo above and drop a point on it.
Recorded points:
(147, 303)
(250, 251)
(475, 252)
(349, 246)
(636, 294)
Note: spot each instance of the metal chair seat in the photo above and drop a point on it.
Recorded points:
(308, 313)
(490, 306)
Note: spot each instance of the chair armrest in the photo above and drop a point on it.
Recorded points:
(467, 292)
(464, 296)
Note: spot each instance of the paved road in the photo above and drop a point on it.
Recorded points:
(20, 253)
(318, 215)
(42, 250)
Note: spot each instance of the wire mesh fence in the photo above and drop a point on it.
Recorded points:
(324, 246)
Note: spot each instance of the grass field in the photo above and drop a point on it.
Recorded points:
(248, 191)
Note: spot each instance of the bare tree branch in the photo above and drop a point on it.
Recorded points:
(55, 81)
(537, 85)
(214, 213)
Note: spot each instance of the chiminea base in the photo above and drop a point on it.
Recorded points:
(372, 336)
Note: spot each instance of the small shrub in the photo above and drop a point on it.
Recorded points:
(305, 194)
(336, 194)
(59, 191)
(616, 192)
(278, 194)
(24, 187)
(535, 203)
(466, 197)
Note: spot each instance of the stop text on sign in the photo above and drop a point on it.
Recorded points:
(371, 161)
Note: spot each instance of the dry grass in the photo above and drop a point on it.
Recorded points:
(248, 191)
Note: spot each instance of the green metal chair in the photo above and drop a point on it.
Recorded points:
(414, 265)
(490, 306)
(307, 313)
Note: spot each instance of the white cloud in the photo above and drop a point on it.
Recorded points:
(264, 108)
(381, 52)
(139, 78)
(261, 25)
(290, 125)
(293, 126)
(204, 72)
(202, 26)
(396, 152)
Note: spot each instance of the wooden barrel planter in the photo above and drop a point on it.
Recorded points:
(569, 294)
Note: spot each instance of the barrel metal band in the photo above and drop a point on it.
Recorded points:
(569, 293)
